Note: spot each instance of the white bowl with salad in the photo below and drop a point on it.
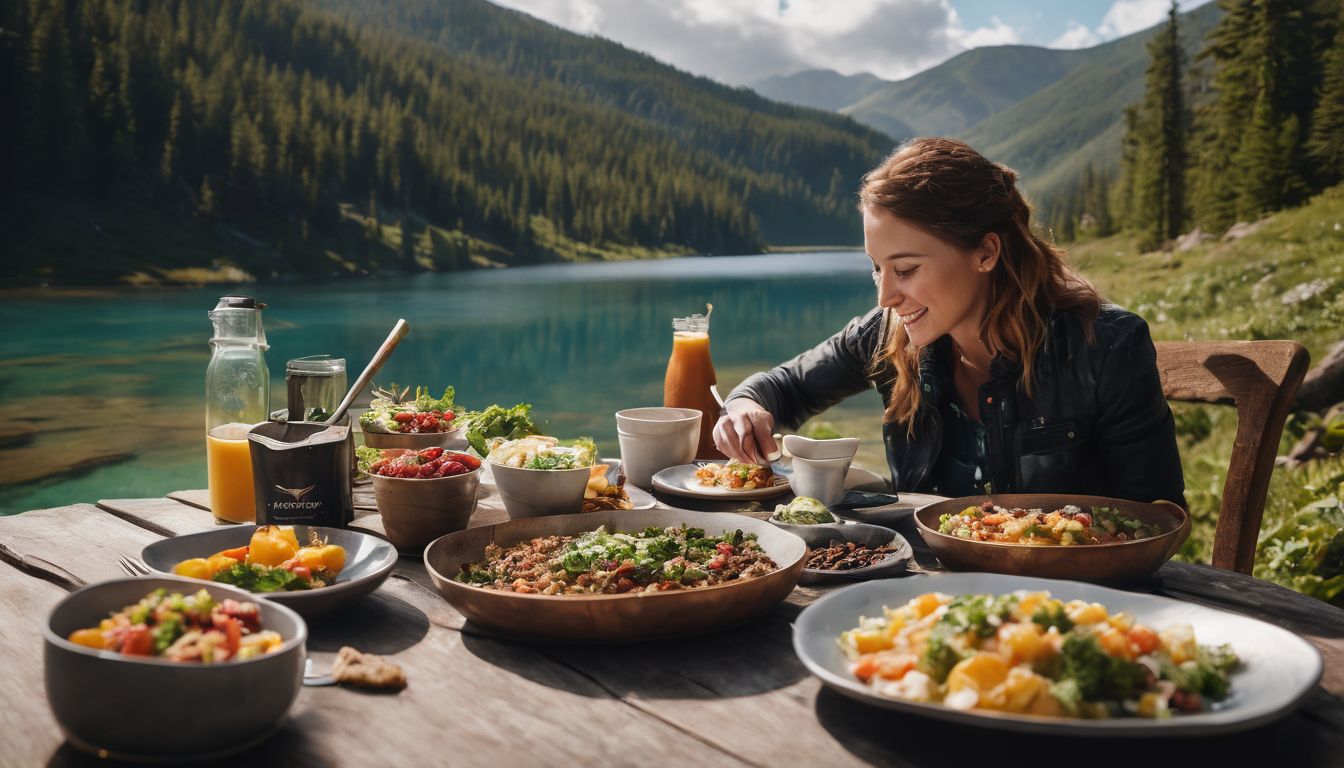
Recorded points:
(538, 476)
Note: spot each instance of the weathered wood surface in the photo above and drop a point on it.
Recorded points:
(735, 697)
(1260, 378)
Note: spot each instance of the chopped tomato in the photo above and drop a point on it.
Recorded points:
(233, 634)
(1144, 639)
(302, 572)
(725, 548)
(137, 641)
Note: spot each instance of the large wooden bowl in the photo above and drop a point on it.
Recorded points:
(613, 618)
(1102, 563)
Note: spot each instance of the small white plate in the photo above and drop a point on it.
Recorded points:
(681, 481)
(887, 514)
(640, 498)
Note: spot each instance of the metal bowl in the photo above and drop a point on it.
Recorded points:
(613, 618)
(149, 709)
(1101, 563)
(453, 440)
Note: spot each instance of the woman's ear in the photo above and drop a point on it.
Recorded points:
(988, 253)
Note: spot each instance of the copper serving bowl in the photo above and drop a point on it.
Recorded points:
(613, 618)
(1103, 563)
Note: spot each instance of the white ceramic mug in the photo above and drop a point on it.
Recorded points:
(657, 421)
(822, 479)
(644, 456)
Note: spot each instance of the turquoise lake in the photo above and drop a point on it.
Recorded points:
(113, 380)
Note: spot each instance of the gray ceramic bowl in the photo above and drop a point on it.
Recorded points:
(540, 492)
(819, 536)
(138, 708)
(368, 561)
(417, 511)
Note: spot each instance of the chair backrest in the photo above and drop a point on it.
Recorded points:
(1260, 378)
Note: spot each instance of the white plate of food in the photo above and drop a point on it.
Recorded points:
(719, 481)
(1273, 670)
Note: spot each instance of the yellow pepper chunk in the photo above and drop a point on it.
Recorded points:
(333, 558)
(195, 568)
(270, 546)
(219, 563)
(981, 673)
(91, 638)
(871, 640)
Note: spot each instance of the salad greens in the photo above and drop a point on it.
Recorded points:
(259, 578)
(497, 422)
(382, 412)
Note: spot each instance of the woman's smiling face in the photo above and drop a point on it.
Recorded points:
(935, 287)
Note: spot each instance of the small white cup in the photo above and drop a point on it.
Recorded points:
(809, 448)
(644, 456)
(658, 421)
(822, 479)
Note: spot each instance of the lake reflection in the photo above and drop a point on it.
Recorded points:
(121, 373)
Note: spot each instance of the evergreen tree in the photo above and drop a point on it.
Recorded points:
(1159, 205)
(1267, 66)
(1326, 145)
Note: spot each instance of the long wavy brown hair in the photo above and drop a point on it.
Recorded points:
(949, 190)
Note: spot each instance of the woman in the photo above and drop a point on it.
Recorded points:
(1000, 369)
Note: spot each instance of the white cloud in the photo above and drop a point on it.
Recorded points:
(1127, 16)
(741, 41)
(997, 34)
(1075, 36)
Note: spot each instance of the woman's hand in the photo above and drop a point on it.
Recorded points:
(746, 432)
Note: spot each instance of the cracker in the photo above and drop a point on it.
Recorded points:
(367, 670)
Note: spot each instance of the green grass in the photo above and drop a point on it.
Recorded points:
(1286, 281)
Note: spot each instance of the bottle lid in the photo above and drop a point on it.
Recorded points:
(315, 365)
(239, 302)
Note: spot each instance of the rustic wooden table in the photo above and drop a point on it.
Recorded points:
(737, 697)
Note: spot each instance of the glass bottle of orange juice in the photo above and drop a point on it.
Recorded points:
(237, 397)
(690, 374)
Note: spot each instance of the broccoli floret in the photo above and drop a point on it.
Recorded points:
(982, 614)
(939, 656)
(1100, 677)
(1052, 615)
(1069, 696)
(1206, 674)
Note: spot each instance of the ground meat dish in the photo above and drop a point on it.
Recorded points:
(598, 562)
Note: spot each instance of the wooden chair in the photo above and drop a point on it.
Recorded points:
(1260, 378)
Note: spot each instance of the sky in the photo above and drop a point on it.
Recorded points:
(742, 41)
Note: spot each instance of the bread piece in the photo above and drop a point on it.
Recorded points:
(367, 670)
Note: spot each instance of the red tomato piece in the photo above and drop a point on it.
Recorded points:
(137, 641)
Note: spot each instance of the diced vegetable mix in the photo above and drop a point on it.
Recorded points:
(187, 628)
(1066, 526)
(1030, 653)
(272, 561)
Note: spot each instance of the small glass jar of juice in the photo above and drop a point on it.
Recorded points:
(690, 374)
(237, 397)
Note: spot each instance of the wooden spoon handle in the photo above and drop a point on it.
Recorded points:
(390, 343)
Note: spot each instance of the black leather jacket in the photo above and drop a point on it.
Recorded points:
(1096, 424)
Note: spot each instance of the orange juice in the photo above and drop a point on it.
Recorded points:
(690, 374)
(229, 470)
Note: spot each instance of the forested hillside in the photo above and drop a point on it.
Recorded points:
(281, 137)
